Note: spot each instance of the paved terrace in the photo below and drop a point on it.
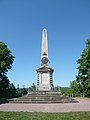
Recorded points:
(83, 105)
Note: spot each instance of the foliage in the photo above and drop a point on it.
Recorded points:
(6, 59)
(21, 91)
(12, 90)
(44, 116)
(81, 86)
(33, 87)
(73, 90)
(24, 91)
(64, 90)
(83, 77)
(7, 90)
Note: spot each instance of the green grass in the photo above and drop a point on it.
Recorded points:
(44, 116)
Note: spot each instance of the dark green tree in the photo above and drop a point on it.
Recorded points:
(6, 61)
(12, 91)
(21, 91)
(4, 87)
(83, 77)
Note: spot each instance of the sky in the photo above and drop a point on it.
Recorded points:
(68, 26)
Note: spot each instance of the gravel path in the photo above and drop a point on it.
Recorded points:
(83, 105)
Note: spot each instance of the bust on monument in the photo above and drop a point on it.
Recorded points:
(44, 72)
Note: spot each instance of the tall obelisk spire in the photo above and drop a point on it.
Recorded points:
(44, 72)
(44, 52)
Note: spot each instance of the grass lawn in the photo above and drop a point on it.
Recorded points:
(44, 116)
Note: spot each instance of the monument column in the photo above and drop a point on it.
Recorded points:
(44, 72)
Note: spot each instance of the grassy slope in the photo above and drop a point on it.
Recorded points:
(44, 116)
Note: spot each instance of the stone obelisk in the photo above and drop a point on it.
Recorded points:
(44, 72)
(44, 44)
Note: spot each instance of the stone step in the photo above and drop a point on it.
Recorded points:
(44, 92)
(46, 101)
(43, 97)
(33, 102)
(38, 99)
(46, 96)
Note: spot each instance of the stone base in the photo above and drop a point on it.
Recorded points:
(44, 78)
(43, 97)
(44, 88)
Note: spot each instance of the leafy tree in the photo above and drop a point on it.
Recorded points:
(7, 89)
(69, 92)
(83, 77)
(12, 91)
(64, 90)
(4, 87)
(24, 91)
(74, 89)
(6, 61)
(21, 91)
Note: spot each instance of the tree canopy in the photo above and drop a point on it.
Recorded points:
(6, 58)
(83, 77)
(81, 86)
(6, 61)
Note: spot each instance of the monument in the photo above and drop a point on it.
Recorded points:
(44, 92)
(44, 72)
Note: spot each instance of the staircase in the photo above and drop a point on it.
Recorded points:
(43, 97)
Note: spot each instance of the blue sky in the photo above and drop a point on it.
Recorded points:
(68, 26)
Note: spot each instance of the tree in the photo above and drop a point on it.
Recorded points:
(12, 91)
(74, 89)
(64, 90)
(7, 89)
(21, 91)
(83, 77)
(33, 87)
(6, 61)
(4, 87)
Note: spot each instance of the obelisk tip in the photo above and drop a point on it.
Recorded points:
(44, 29)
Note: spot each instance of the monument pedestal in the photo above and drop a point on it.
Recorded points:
(44, 78)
